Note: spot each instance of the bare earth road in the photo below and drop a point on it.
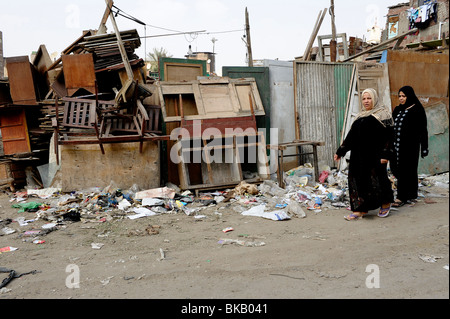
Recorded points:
(175, 256)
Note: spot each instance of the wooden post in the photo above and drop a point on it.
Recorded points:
(249, 43)
(333, 51)
(102, 26)
(319, 20)
(122, 50)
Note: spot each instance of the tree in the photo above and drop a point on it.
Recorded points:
(153, 58)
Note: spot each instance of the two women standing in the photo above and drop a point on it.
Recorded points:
(377, 137)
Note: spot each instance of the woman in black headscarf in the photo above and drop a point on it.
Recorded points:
(410, 140)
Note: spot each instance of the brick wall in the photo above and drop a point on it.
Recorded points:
(427, 34)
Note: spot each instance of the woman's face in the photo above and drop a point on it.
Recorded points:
(367, 101)
(401, 98)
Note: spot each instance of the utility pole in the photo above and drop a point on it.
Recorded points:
(214, 40)
(333, 34)
(248, 42)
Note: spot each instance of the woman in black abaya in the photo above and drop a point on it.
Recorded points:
(410, 140)
(368, 140)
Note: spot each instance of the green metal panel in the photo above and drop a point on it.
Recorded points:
(261, 76)
(438, 142)
(342, 82)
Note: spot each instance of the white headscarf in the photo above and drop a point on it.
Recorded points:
(379, 111)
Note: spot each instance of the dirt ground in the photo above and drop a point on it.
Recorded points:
(321, 256)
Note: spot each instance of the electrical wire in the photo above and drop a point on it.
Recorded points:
(229, 31)
(130, 17)
(193, 35)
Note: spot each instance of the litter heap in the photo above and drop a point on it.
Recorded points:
(266, 200)
(91, 94)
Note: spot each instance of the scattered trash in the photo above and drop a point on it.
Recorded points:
(106, 281)
(141, 212)
(228, 229)
(22, 222)
(323, 176)
(97, 245)
(124, 204)
(150, 201)
(259, 211)
(13, 274)
(244, 188)
(162, 192)
(7, 231)
(4, 290)
(43, 193)
(7, 248)
(48, 226)
(429, 258)
(27, 207)
(295, 209)
(240, 242)
(149, 230)
(162, 253)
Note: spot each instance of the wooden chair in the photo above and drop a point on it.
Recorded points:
(87, 121)
(118, 126)
(79, 123)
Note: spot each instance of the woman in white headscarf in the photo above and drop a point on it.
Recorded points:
(368, 140)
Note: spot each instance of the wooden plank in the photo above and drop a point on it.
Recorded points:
(21, 80)
(212, 100)
(382, 44)
(14, 129)
(181, 69)
(313, 36)
(102, 26)
(42, 60)
(79, 72)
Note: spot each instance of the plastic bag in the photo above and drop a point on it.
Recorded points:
(27, 207)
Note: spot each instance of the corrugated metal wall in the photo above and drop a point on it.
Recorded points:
(321, 96)
(342, 82)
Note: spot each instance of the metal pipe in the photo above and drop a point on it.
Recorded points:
(440, 28)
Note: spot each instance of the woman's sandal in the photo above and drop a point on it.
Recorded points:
(398, 203)
(384, 212)
(354, 217)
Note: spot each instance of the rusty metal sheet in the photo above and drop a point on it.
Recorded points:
(427, 73)
(438, 142)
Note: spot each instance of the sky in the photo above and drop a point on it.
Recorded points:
(278, 29)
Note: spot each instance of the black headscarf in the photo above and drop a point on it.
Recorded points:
(411, 97)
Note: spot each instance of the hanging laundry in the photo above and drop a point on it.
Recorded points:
(422, 16)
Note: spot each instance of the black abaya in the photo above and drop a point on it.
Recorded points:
(369, 185)
(410, 137)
